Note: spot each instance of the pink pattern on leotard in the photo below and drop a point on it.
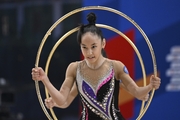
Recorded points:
(86, 114)
(105, 81)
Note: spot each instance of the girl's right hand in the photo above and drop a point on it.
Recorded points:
(49, 103)
(38, 74)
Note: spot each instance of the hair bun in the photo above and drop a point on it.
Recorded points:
(91, 17)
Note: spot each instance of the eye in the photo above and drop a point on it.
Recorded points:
(94, 46)
(84, 47)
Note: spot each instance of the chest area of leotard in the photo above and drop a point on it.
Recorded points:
(95, 80)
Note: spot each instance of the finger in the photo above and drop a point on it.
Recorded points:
(34, 69)
(152, 77)
(156, 86)
(158, 79)
(46, 100)
(47, 103)
(147, 97)
(48, 106)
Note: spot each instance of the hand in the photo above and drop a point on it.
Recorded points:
(49, 103)
(155, 82)
(146, 97)
(38, 74)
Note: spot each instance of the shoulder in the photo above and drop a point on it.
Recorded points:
(72, 67)
(118, 67)
(116, 63)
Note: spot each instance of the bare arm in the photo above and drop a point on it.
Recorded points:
(49, 102)
(145, 98)
(136, 91)
(129, 84)
(59, 96)
(71, 97)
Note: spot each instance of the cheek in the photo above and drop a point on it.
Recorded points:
(99, 49)
(83, 51)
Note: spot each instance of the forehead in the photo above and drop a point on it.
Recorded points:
(89, 38)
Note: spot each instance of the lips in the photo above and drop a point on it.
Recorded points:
(90, 57)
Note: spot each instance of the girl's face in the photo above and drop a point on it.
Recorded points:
(91, 46)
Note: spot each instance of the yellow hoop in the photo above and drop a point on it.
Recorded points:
(143, 110)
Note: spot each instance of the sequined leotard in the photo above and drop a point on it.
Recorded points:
(98, 90)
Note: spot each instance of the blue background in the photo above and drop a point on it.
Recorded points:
(160, 20)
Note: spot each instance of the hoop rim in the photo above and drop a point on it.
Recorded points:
(97, 8)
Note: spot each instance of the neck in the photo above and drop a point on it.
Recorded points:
(97, 64)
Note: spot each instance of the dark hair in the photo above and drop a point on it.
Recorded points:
(90, 27)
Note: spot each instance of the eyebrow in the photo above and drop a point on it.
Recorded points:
(91, 45)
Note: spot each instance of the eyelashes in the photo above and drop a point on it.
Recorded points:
(94, 46)
(91, 47)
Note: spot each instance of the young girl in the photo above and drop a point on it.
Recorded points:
(96, 79)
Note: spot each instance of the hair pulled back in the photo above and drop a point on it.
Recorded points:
(90, 27)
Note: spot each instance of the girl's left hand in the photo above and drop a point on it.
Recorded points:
(155, 82)
(49, 103)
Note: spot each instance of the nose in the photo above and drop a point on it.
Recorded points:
(89, 51)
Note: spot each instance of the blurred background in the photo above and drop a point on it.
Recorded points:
(24, 23)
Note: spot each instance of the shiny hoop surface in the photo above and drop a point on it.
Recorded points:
(143, 109)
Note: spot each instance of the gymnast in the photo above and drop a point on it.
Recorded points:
(96, 79)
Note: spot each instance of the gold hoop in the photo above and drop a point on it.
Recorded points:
(142, 111)
(102, 26)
